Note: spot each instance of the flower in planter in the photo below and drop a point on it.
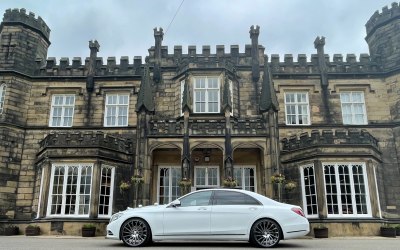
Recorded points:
(124, 186)
(229, 182)
(290, 185)
(278, 178)
(185, 182)
(89, 226)
(137, 179)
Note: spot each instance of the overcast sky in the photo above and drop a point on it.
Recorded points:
(125, 27)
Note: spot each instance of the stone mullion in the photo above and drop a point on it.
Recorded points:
(94, 192)
(320, 186)
(373, 193)
(44, 195)
(228, 162)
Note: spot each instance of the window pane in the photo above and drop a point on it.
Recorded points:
(297, 108)
(353, 108)
(197, 199)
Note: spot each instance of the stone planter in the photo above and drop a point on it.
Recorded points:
(32, 230)
(8, 231)
(321, 232)
(88, 231)
(388, 232)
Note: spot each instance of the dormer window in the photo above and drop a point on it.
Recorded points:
(206, 95)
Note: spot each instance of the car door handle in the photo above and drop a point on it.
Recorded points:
(252, 208)
(202, 208)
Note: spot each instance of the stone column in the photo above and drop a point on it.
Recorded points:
(320, 186)
(94, 192)
(44, 195)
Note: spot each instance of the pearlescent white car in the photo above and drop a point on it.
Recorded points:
(211, 215)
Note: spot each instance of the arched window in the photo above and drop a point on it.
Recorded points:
(2, 96)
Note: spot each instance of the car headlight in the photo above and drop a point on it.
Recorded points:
(116, 217)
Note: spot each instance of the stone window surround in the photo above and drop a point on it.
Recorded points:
(110, 194)
(65, 176)
(364, 110)
(319, 176)
(241, 168)
(206, 176)
(296, 104)
(170, 184)
(46, 169)
(63, 107)
(118, 105)
(206, 88)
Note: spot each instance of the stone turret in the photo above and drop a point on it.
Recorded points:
(383, 37)
(24, 41)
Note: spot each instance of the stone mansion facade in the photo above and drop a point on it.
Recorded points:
(74, 133)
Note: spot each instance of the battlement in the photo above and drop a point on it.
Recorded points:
(86, 139)
(79, 67)
(378, 19)
(20, 16)
(289, 64)
(329, 137)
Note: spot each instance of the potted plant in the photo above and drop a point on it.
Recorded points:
(11, 230)
(32, 230)
(229, 182)
(321, 231)
(88, 230)
(278, 178)
(388, 231)
(185, 185)
(290, 186)
(124, 186)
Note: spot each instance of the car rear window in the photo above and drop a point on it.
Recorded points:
(233, 198)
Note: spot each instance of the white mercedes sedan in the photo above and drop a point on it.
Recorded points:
(211, 215)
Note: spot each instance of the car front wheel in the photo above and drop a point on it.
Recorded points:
(265, 233)
(135, 232)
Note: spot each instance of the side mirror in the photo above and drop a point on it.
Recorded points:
(175, 203)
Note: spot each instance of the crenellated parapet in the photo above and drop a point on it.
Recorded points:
(86, 140)
(206, 127)
(79, 67)
(20, 16)
(383, 37)
(329, 137)
(236, 59)
(338, 64)
(379, 19)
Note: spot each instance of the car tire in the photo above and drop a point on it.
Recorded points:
(265, 233)
(135, 232)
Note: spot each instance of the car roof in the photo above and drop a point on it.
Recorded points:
(261, 198)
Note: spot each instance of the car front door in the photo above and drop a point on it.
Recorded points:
(192, 217)
(232, 212)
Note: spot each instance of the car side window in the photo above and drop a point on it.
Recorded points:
(233, 198)
(196, 199)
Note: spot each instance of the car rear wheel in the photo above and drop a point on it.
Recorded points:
(135, 232)
(265, 233)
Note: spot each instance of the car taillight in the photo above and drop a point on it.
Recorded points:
(298, 211)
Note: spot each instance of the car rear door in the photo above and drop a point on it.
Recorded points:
(192, 217)
(232, 211)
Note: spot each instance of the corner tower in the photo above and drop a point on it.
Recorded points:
(24, 39)
(383, 37)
